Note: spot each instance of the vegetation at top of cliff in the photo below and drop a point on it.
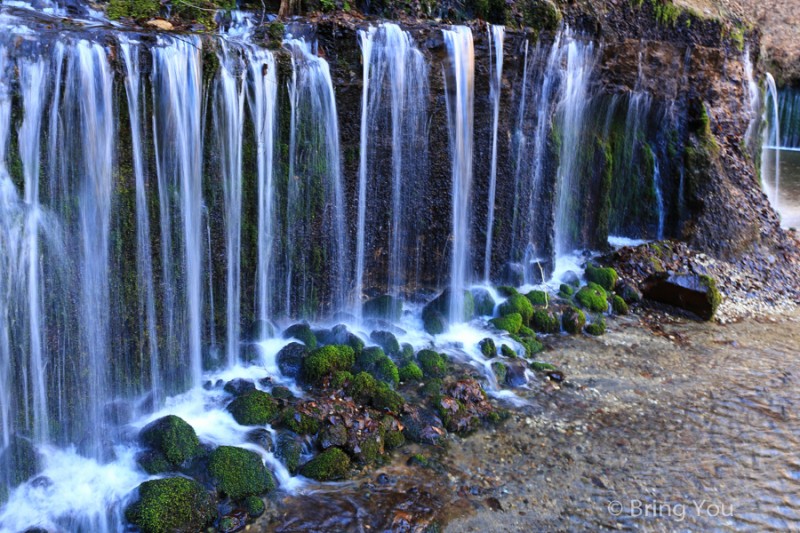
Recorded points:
(135, 9)
(181, 11)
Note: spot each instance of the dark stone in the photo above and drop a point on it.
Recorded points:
(484, 303)
(258, 330)
(290, 359)
(239, 386)
(423, 426)
(515, 374)
(513, 274)
(261, 437)
(386, 307)
(303, 333)
(333, 435)
(689, 292)
(387, 341)
(571, 278)
(19, 461)
(628, 292)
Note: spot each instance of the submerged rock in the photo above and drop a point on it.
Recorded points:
(18, 462)
(697, 294)
(174, 504)
(484, 303)
(303, 333)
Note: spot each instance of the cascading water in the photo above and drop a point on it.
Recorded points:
(771, 153)
(315, 189)
(657, 188)
(393, 98)
(578, 66)
(460, 87)
(178, 139)
(789, 105)
(497, 33)
(144, 259)
(229, 118)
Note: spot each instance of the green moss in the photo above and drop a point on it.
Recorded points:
(366, 389)
(573, 320)
(300, 423)
(507, 291)
(239, 473)
(432, 388)
(154, 462)
(565, 291)
(199, 11)
(712, 294)
(171, 504)
(340, 379)
(517, 304)
(433, 321)
(545, 322)
(135, 9)
(488, 348)
(393, 440)
(410, 372)
(538, 297)
(254, 506)
(508, 351)
(593, 297)
(500, 370)
(276, 31)
(538, 366)
(330, 465)
(510, 323)
(531, 345)
(386, 340)
(256, 408)
(597, 328)
(327, 360)
(303, 333)
(374, 361)
(173, 437)
(433, 364)
(484, 303)
(618, 305)
(541, 15)
(605, 277)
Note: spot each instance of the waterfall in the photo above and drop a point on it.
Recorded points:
(659, 197)
(315, 189)
(393, 98)
(460, 88)
(178, 139)
(571, 121)
(495, 45)
(772, 142)
(144, 259)
(229, 119)
(262, 96)
(753, 100)
(789, 104)
(33, 81)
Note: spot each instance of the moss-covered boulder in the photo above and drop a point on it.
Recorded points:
(484, 303)
(538, 297)
(173, 437)
(434, 321)
(565, 291)
(618, 305)
(410, 372)
(518, 304)
(325, 361)
(507, 291)
(433, 364)
(545, 321)
(238, 473)
(173, 504)
(500, 370)
(438, 310)
(510, 323)
(541, 15)
(597, 328)
(573, 320)
(154, 462)
(605, 277)
(134, 9)
(254, 506)
(488, 348)
(508, 351)
(386, 307)
(628, 292)
(386, 340)
(330, 465)
(374, 361)
(697, 294)
(593, 297)
(530, 344)
(366, 389)
(256, 408)
(19, 461)
(303, 333)
(239, 386)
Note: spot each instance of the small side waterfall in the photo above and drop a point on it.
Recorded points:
(393, 99)
(571, 121)
(772, 143)
(460, 87)
(657, 188)
(496, 35)
(178, 138)
(789, 105)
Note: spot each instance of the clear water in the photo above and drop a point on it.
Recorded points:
(789, 200)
